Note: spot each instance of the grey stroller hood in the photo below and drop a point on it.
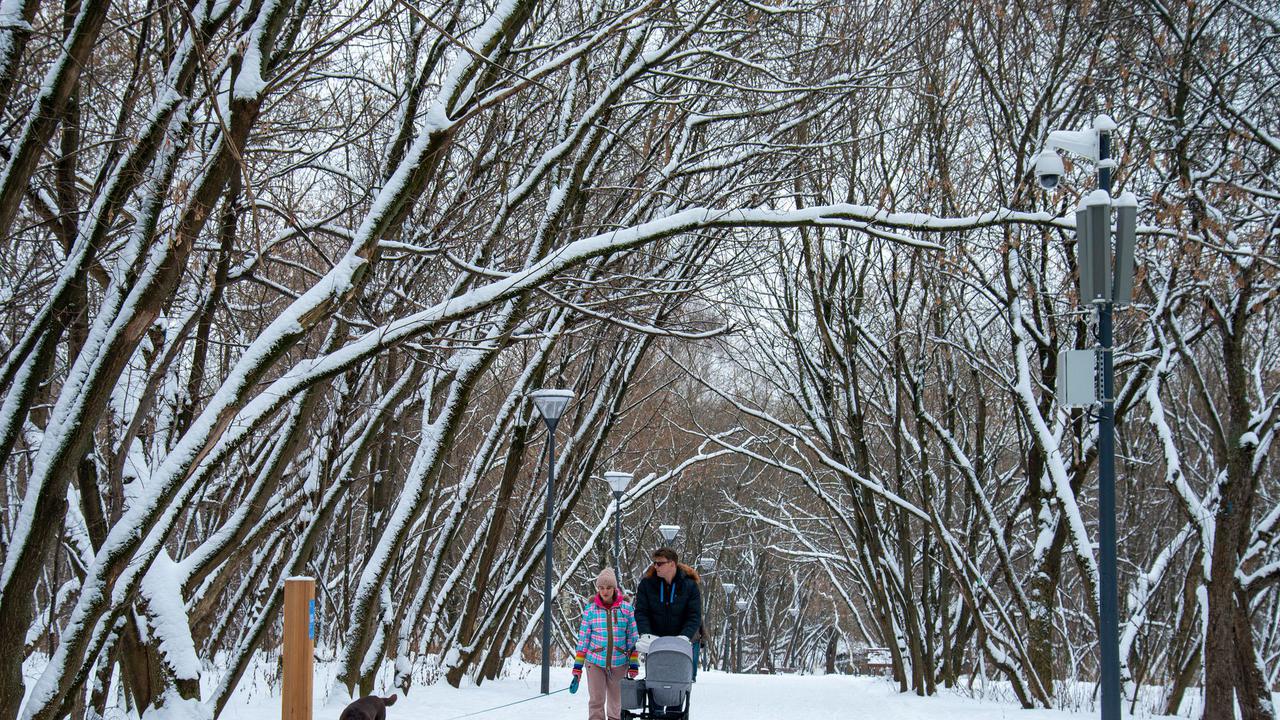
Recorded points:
(663, 694)
(668, 670)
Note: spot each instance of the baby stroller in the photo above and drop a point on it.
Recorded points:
(663, 694)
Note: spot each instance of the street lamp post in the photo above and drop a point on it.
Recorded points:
(794, 612)
(737, 634)
(1103, 288)
(728, 619)
(618, 482)
(551, 405)
(707, 565)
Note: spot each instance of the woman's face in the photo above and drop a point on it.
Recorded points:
(606, 592)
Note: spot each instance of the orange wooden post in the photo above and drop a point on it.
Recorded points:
(299, 647)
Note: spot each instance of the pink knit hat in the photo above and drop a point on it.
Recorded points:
(607, 578)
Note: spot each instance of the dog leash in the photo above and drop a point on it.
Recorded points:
(517, 702)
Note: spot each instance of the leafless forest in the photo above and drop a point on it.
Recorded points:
(277, 275)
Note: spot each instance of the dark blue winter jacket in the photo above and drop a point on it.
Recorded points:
(664, 609)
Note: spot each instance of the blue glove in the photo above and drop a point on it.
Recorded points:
(573, 686)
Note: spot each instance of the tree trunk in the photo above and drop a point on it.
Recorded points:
(1231, 673)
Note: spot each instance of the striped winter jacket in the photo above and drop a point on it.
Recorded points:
(607, 636)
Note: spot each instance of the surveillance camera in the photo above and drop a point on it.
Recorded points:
(1049, 169)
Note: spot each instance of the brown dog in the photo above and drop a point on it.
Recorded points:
(370, 707)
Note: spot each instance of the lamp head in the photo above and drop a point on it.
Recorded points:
(551, 403)
(741, 605)
(618, 481)
(668, 532)
(707, 563)
(729, 588)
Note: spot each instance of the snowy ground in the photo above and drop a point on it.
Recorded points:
(716, 695)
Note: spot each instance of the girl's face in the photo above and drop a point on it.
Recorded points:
(606, 592)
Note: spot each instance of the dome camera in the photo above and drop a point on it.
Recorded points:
(1049, 169)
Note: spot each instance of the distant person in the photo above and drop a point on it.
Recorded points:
(606, 648)
(699, 640)
(668, 600)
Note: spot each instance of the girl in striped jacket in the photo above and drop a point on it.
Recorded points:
(606, 647)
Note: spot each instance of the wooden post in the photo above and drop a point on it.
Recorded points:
(299, 647)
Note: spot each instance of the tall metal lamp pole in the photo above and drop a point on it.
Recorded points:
(737, 634)
(618, 482)
(551, 405)
(728, 619)
(707, 565)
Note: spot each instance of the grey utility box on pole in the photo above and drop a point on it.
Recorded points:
(1076, 387)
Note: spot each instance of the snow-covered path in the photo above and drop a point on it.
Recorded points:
(716, 696)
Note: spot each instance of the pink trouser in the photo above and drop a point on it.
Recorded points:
(601, 681)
